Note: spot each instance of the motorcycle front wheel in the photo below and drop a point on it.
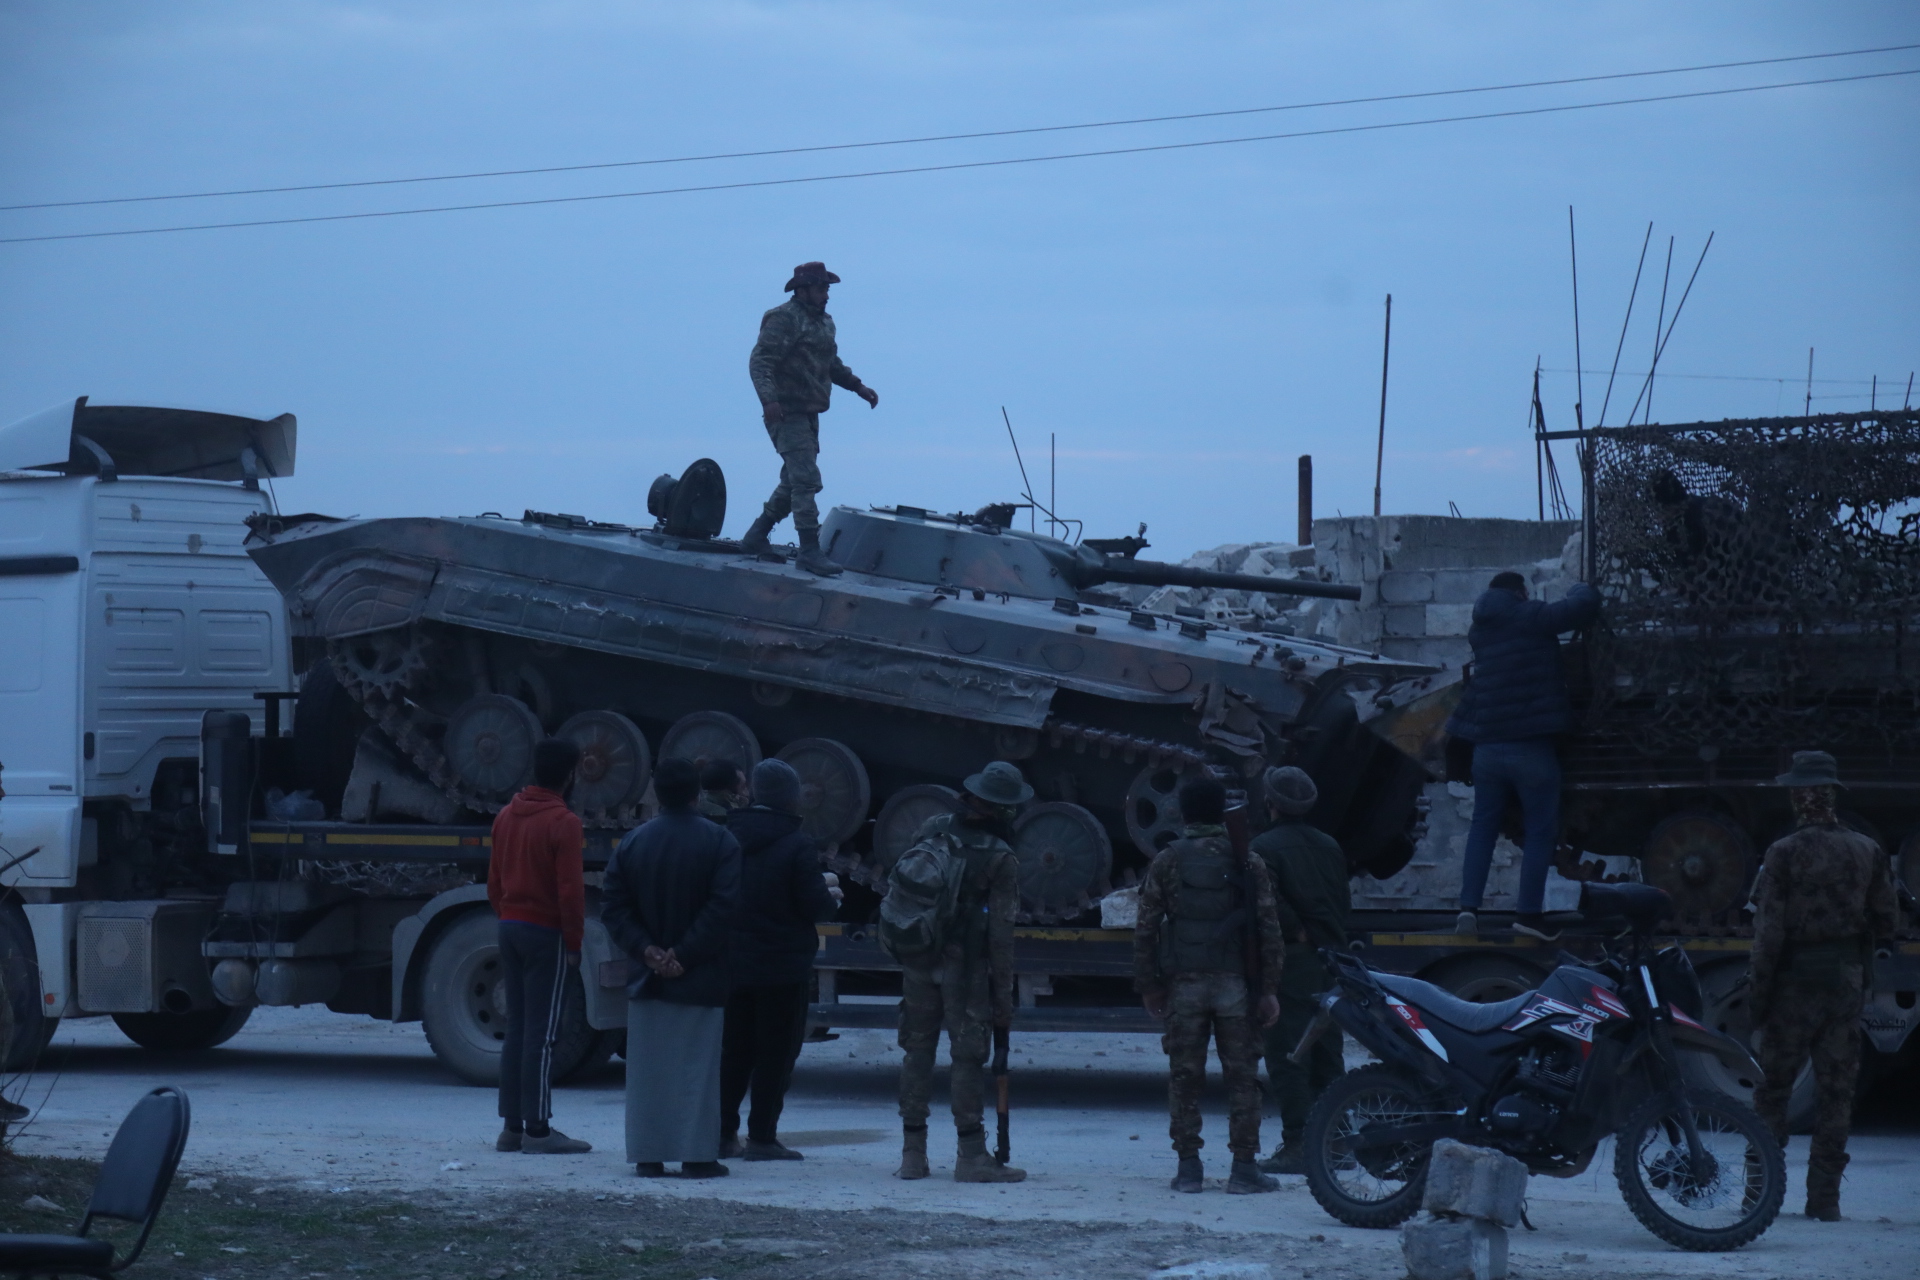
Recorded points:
(1362, 1182)
(1736, 1197)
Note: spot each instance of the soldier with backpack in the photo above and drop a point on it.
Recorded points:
(948, 919)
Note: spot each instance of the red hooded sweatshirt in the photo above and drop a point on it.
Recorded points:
(534, 876)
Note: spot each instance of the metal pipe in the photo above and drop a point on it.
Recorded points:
(1305, 538)
(1380, 453)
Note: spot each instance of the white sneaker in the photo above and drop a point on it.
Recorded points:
(1466, 922)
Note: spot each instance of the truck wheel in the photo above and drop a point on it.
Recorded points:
(599, 1052)
(20, 980)
(1486, 979)
(463, 1005)
(182, 1032)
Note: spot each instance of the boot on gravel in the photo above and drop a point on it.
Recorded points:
(755, 538)
(1290, 1158)
(553, 1143)
(812, 559)
(509, 1140)
(771, 1149)
(1823, 1187)
(913, 1155)
(975, 1165)
(703, 1169)
(1191, 1177)
(1247, 1180)
(651, 1169)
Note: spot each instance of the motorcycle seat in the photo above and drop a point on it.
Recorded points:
(1449, 1008)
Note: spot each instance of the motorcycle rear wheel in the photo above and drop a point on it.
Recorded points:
(1382, 1188)
(1740, 1198)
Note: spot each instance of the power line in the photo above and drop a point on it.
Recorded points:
(956, 137)
(1738, 377)
(948, 168)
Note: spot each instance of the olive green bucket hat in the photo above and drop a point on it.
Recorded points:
(1811, 769)
(1000, 783)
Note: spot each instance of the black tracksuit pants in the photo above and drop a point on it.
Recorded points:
(532, 968)
(761, 1041)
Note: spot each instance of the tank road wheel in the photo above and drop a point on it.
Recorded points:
(712, 735)
(463, 1006)
(1153, 808)
(182, 1032)
(901, 818)
(614, 762)
(1702, 858)
(1723, 990)
(489, 744)
(1065, 859)
(834, 792)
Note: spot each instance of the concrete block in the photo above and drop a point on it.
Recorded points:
(1460, 586)
(1403, 620)
(1454, 1249)
(1406, 586)
(1475, 1182)
(1449, 619)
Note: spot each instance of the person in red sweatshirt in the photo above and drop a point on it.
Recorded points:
(534, 883)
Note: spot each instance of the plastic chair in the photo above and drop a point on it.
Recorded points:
(132, 1185)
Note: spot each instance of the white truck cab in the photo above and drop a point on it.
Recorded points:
(128, 608)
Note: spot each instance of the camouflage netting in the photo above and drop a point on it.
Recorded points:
(1762, 580)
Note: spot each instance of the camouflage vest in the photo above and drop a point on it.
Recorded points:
(1207, 911)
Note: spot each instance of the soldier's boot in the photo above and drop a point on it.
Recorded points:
(913, 1154)
(755, 538)
(812, 559)
(1823, 1187)
(1191, 1176)
(974, 1164)
(1290, 1158)
(1247, 1180)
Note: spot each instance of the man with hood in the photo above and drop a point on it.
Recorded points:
(535, 885)
(783, 894)
(795, 366)
(1514, 706)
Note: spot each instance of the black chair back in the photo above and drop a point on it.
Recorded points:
(140, 1164)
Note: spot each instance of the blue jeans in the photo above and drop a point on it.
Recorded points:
(1503, 772)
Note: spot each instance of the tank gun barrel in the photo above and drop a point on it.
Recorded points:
(1152, 573)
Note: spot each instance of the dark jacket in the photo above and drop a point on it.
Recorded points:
(782, 896)
(674, 883)
(1311, 896)
(1517, 690)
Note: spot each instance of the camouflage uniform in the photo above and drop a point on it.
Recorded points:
(1312, 900)
(1824, 894)
(970, 991)
(1207, 994)
(796, 364)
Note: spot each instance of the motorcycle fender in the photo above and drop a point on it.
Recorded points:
(1385, 1044)
(1726, 1048)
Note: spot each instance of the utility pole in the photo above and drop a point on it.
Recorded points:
(1380, 453)
(1808, 410)
(1305, 537)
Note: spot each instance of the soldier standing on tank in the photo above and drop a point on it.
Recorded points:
(1312, 899)
(1197, 903)
(1823, 900)
(795, 366)
(971, 992)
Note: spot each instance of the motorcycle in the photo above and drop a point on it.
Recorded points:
(1546, 1077)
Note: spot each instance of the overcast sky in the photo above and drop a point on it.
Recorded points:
(1187, 322)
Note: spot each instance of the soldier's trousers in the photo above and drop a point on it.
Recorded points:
(956, 997)
(1296, 1087)
(797, 438)
(1203, 1006)
(1818, 1020)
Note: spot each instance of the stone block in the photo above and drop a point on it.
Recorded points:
(1449, 619)
(1406, 586)
(1460, 586)
(1475, 1182)
(1403, 620)
(1454, 1249)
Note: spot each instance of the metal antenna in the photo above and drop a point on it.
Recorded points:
(1579, 379)
(1808, 409)
(1380, 453)
(1658, 320)
(1646, 388)
(1908, 402)
(1625, 320)
(1028, 484)
(1053, 479)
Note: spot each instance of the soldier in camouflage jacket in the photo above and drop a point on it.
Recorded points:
(1824, 896)
(795, 366)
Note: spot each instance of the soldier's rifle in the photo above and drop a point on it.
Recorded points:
(1003, 1148)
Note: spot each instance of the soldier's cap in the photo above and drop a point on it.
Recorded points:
(811, 273)
(1000, 783)
(1811, 769)
(1290, 790)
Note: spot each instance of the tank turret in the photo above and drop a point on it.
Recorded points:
(439, 650)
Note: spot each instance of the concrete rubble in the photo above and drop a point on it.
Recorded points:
(1472, 1196)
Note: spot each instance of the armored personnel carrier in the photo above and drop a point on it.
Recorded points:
(947, 641)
